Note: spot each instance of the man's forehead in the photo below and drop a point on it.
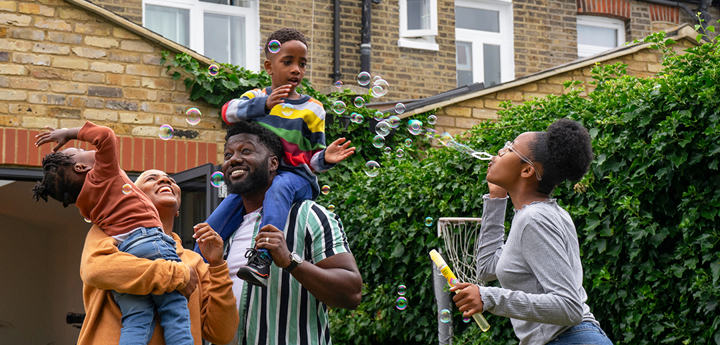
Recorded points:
(243, 138)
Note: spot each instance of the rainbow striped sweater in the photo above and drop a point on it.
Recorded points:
(302, 133)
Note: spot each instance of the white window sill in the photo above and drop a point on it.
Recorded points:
(424, 44)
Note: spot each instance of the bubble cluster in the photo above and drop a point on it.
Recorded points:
(274, 46)
(359, 102)
(382, 128)
(339, 107)
(432, 119)
(401, 303)
(338, 84)
(363, 78)
(372, 168)
(192, 116)
(165, 132)
(217, 179)
(126, 188)
(428, 221)
(401, 290)
(356, 118)
(287, 109)
(331, 208)
(213, 70)
(415, 127)
(325, 190)
(378, 141)
(380, 88)
(399, 108)
(445, 316)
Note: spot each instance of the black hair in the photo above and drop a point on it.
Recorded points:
(565, 152)
(266, 137)
(56, 181)
(284, 35)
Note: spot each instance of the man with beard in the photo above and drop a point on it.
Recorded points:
(312, 264)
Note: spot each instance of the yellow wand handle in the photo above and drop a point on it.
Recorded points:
(451, 279)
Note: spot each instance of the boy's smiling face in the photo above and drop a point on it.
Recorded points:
(288, 66)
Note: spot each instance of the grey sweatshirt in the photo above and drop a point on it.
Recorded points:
(538, 268)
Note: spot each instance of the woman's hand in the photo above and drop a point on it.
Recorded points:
(210, 243)
(467, 298)
(336, 152)
(497, 191)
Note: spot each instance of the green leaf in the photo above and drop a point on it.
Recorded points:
(715, 268)
(176, 76)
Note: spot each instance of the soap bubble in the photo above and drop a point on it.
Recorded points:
(380, 88)
(378, 115)
(339, 107)
(430, 133)
(213, 69)
(408, 142)
(401, 303)
(401, 290)
(363, 78)
(387, 150)
(217, 179)
(415, 127)
(274, 46)
(378, 141)
(325, 190)
(382, 128)
(331, 208)
(453, 282)
(445, 138)
(338, 84)
(287, 109)
(376, 78)
(192, 116)
(126, 188)
(399, 108)
(400, 153)
(165, 132)
(393, 121)
(444, 316)
(359, 102)
(432, 119)
(372, 168)
(87, 220)
(358, 118)
(428, 221)
(466, 319)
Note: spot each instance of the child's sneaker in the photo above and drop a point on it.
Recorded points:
(257, 269)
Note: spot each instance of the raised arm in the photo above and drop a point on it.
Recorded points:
(250, 105)
(492, 231)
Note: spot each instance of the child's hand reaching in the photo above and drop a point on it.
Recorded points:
(61, 136)
(337, 151)
(210, 243)
(276, 96)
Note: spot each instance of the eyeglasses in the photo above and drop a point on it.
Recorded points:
(509, 148)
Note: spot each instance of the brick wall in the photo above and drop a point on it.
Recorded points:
(61, 66)
(130, 9)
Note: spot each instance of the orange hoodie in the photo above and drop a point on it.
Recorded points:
(213, 313)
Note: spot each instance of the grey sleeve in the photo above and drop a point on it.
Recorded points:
(490, 242)
(543, 248)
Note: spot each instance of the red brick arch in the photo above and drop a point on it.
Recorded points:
(622, 9)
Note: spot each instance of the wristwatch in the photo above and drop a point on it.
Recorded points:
(295, 260)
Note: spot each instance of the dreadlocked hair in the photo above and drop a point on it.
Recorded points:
(56, 182)
(283, 35)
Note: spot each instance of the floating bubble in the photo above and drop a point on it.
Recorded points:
(445, 138)
(339, 107)
(380, 88)
(376, 78)
(359, 118)
(213, 69)
(217, 179)
(274, 46)
(445, 316)
(432, 119)
(401, 290)
(165, 132)
(466, 319)
(338, 84)
(192, 116)
(399, 108)
(401, 303)
(287, 109)
(387, 150)
(408, 142)
(126, 188)
(372, 168)
(378, 141)
(325, 190)
(430, 133)
(359, 102)
(378, 115)
(382, 128)
(87, 220)
(415, 127)
(428, 221)
(400, 153)
(331, 208)
(393, 121)
(363, 78)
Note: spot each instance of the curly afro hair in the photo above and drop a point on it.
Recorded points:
(283, 35)
(56, 181)
(266, 137)
(565, 152)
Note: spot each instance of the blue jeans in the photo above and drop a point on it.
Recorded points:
(138, 312)
(586, 333)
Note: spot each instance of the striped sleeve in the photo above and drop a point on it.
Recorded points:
(318, 162)
(250, 105)
(326, 231)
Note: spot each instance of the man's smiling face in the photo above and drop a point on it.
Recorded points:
(247, 162)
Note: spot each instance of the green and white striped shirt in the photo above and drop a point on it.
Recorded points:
(285, 312)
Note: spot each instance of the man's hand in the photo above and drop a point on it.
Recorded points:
(191, 285)
(467, 299)
(210, 243)
(61, 136)
(276, 96)
(337, 151)
(272, 239)
(497, 191)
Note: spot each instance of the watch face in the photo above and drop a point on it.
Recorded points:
(296, 258)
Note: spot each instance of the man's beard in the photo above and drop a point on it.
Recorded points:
(253, 182)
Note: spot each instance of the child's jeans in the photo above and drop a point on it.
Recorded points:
(585, 333)
(138, 319)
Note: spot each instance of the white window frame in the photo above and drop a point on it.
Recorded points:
(504, 38)
(197, 36)
(585, 50)
(418, 39)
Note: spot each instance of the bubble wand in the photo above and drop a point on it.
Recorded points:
(451, 279)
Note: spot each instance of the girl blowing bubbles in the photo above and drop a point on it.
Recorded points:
(539, 265)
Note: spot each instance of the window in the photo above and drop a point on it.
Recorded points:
(484, 42)
(223, 30)
(598, 34)
(418, 24)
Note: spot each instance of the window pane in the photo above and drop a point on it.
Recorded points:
(596, 36)
(241, 3)
(418, 14)
(491, 61)
(477, 19)
(225, 38)
(464, 63)
(171, 23)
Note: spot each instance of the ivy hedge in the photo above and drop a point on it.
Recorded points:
(645, 213)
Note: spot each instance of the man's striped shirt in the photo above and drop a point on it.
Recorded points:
(285, 312)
